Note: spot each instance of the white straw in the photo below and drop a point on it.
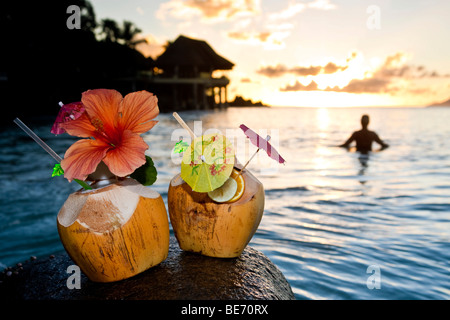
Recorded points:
(37, 139)
(184, 125)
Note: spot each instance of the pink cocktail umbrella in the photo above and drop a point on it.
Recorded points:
(68, 112)
(261, 143)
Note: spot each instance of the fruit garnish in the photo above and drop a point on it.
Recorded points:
(240, 185)
(224, 193)
(235, 183)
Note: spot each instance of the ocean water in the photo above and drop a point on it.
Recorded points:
(338, 224)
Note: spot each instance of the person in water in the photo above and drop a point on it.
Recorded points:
(364, 138)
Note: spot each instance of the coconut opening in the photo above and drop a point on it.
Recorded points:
(134, 186)
(104, 208)
(177, 180)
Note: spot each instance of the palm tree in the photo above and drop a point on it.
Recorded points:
(110, 30)
(129, 30)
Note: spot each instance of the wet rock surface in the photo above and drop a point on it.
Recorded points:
(182, 276)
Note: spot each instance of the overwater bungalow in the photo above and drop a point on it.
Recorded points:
(183, 75)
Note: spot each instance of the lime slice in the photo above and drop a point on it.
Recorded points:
(225, 192)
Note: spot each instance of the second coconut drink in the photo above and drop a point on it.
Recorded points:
(214, 207)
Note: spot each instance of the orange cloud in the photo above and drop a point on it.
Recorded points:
(367, 85)
(385, 79)
(260, 36)
(279, 70)
(270, 39)
(208, 10)
(297, 86)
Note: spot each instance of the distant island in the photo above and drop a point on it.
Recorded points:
(241, 102)
(441, 104)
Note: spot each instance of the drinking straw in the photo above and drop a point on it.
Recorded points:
(184, 125)
(46, 148)
(37, 139)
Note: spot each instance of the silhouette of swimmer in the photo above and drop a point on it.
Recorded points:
(364, 138)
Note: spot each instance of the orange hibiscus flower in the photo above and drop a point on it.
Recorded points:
(114, 125)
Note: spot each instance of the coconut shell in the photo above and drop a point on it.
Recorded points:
(214, 229)
(116, 231)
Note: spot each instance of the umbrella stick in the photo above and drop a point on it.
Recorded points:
(184, 125)
(267, 139)
(248, 162)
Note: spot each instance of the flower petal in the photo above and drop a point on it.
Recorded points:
(102, 106)
(82, 158)
(137, 109)
(81, 127)
(130, 155)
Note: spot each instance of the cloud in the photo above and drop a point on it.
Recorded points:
(289, 12)
(209, 11)
(295, 8)
(389, 77)
(273, 71)
(367, 85)
(306, 71)
(331, 67)
(269, 39)
(302, 71)
(140, 11)
(297, 86)
(260, 36)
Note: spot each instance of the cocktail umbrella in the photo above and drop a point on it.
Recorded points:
(68, 112)
(208, 162)
(261, 143)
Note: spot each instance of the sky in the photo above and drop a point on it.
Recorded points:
(313, 53)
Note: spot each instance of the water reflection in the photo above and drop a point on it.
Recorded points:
(363, 159)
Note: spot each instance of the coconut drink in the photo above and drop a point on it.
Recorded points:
(116, 231)
(211, 228)
(115, 226)
(215, 208)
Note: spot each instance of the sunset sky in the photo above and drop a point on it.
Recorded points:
(310, 52)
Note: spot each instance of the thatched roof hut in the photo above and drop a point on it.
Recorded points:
(185, 80)
(191, 56)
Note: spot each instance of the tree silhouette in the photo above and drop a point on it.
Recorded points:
(88, 19)
(44, 62)
(112, 32)
(129, 31)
